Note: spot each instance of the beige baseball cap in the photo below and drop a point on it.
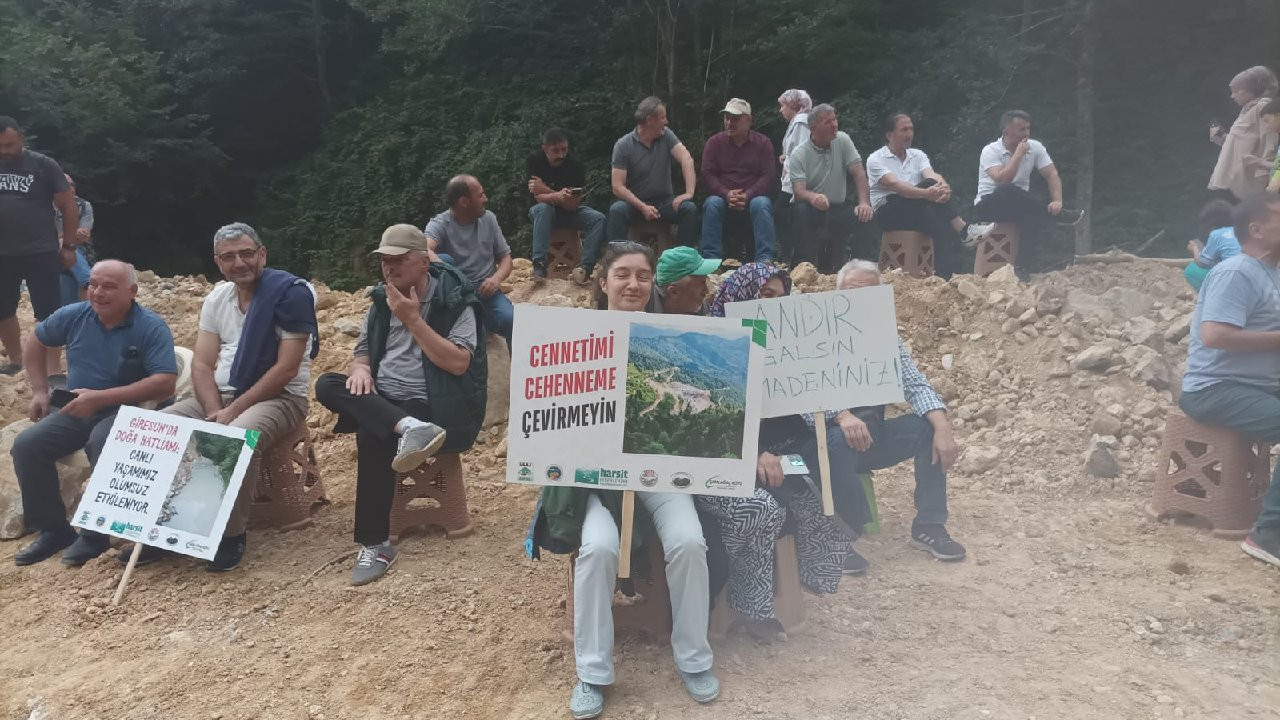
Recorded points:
(737, 106)
(400, 239)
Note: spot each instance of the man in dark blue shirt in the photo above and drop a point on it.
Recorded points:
(118, 353)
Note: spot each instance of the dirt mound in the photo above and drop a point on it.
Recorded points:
(1072, 603)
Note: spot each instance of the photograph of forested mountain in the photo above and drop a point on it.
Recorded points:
(686, 391)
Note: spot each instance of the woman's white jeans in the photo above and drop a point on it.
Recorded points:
(596, 573)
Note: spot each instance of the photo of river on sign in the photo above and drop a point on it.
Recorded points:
(203, 476)
(686, 392)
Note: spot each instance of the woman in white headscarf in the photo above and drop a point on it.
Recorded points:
(1242, 162)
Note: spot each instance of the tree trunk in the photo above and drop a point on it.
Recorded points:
(322, 69)
(1087, 24)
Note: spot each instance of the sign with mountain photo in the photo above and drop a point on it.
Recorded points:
(633, 401)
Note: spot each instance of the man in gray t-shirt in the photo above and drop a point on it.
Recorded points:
(31, 185)
(418, 338)
(820, 171)
(641, 177)
(1233, 361)
(468, 236)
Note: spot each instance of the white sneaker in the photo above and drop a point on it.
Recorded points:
(974, 232)
(417, 444)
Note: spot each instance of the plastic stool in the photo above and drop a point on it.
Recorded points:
(565, 252)
(997, 249)
(788, 597)
(289, 485)
(906, 249)
(654, 233)
(1211, 472)
(440, 482)
(650, 614)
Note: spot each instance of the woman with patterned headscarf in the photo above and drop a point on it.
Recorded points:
(748, 527)
(751, 281)
(1246, 147)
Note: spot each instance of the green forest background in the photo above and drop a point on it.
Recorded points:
(323, 121)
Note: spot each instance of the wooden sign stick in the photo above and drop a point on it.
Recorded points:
(624, 545)
(128, 571)
(824, 463)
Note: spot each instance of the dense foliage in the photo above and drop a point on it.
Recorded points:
(222, 450)
(323, 121)
(716, 432)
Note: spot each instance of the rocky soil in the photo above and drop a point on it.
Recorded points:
(1072, 604)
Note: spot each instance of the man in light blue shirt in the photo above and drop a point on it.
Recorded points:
(1233, 362)
(118, 353)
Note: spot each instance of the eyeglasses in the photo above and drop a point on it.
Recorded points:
(246, 255)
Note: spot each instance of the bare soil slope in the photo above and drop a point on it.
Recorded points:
(1071, 606)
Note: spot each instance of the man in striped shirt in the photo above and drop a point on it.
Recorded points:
(925, 434)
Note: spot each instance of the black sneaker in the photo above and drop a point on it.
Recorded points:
(230, 551)
(149, 554)
(88, 546)
(47, 544)
(539, 269)
(1263, 545)
(1069, 217)
(855, 564)
(935, 540)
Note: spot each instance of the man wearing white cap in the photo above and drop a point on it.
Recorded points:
(416, 386)
(738, 168)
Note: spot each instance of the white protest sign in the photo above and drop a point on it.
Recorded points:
(827, 351)
(167, 481)
(633, 401)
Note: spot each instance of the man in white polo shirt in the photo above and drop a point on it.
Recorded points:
(908, 194)
(1004, 187)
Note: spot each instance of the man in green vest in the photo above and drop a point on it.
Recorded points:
(416, 386)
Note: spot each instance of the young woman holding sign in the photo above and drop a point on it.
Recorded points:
(589, 520)
(750, 526)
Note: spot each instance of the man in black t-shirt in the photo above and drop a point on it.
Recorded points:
(31, 186)
(557, 182)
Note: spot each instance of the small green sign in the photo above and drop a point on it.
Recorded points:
(251, 438)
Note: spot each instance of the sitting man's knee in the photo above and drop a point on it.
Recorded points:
(329, 383)
(540, 210)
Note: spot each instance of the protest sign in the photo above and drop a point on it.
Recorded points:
(167, 481)
(826, 351)
(633, 401)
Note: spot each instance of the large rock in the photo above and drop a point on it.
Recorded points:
(1088, 305)
(1099, 459)
(499, 404)
(1050, 299)
(1148, 366)
(73, 470)
(978, 459)
(1096, 358)
(1126, 303)
(1178, 329)
(1141, 330)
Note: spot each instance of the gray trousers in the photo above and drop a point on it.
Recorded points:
(596, 573)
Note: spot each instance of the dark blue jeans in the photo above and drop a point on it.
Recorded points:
(714, 208)
(895, 440)
(35, 453)
(546, 217)
(622, 215)
(1250, 410)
